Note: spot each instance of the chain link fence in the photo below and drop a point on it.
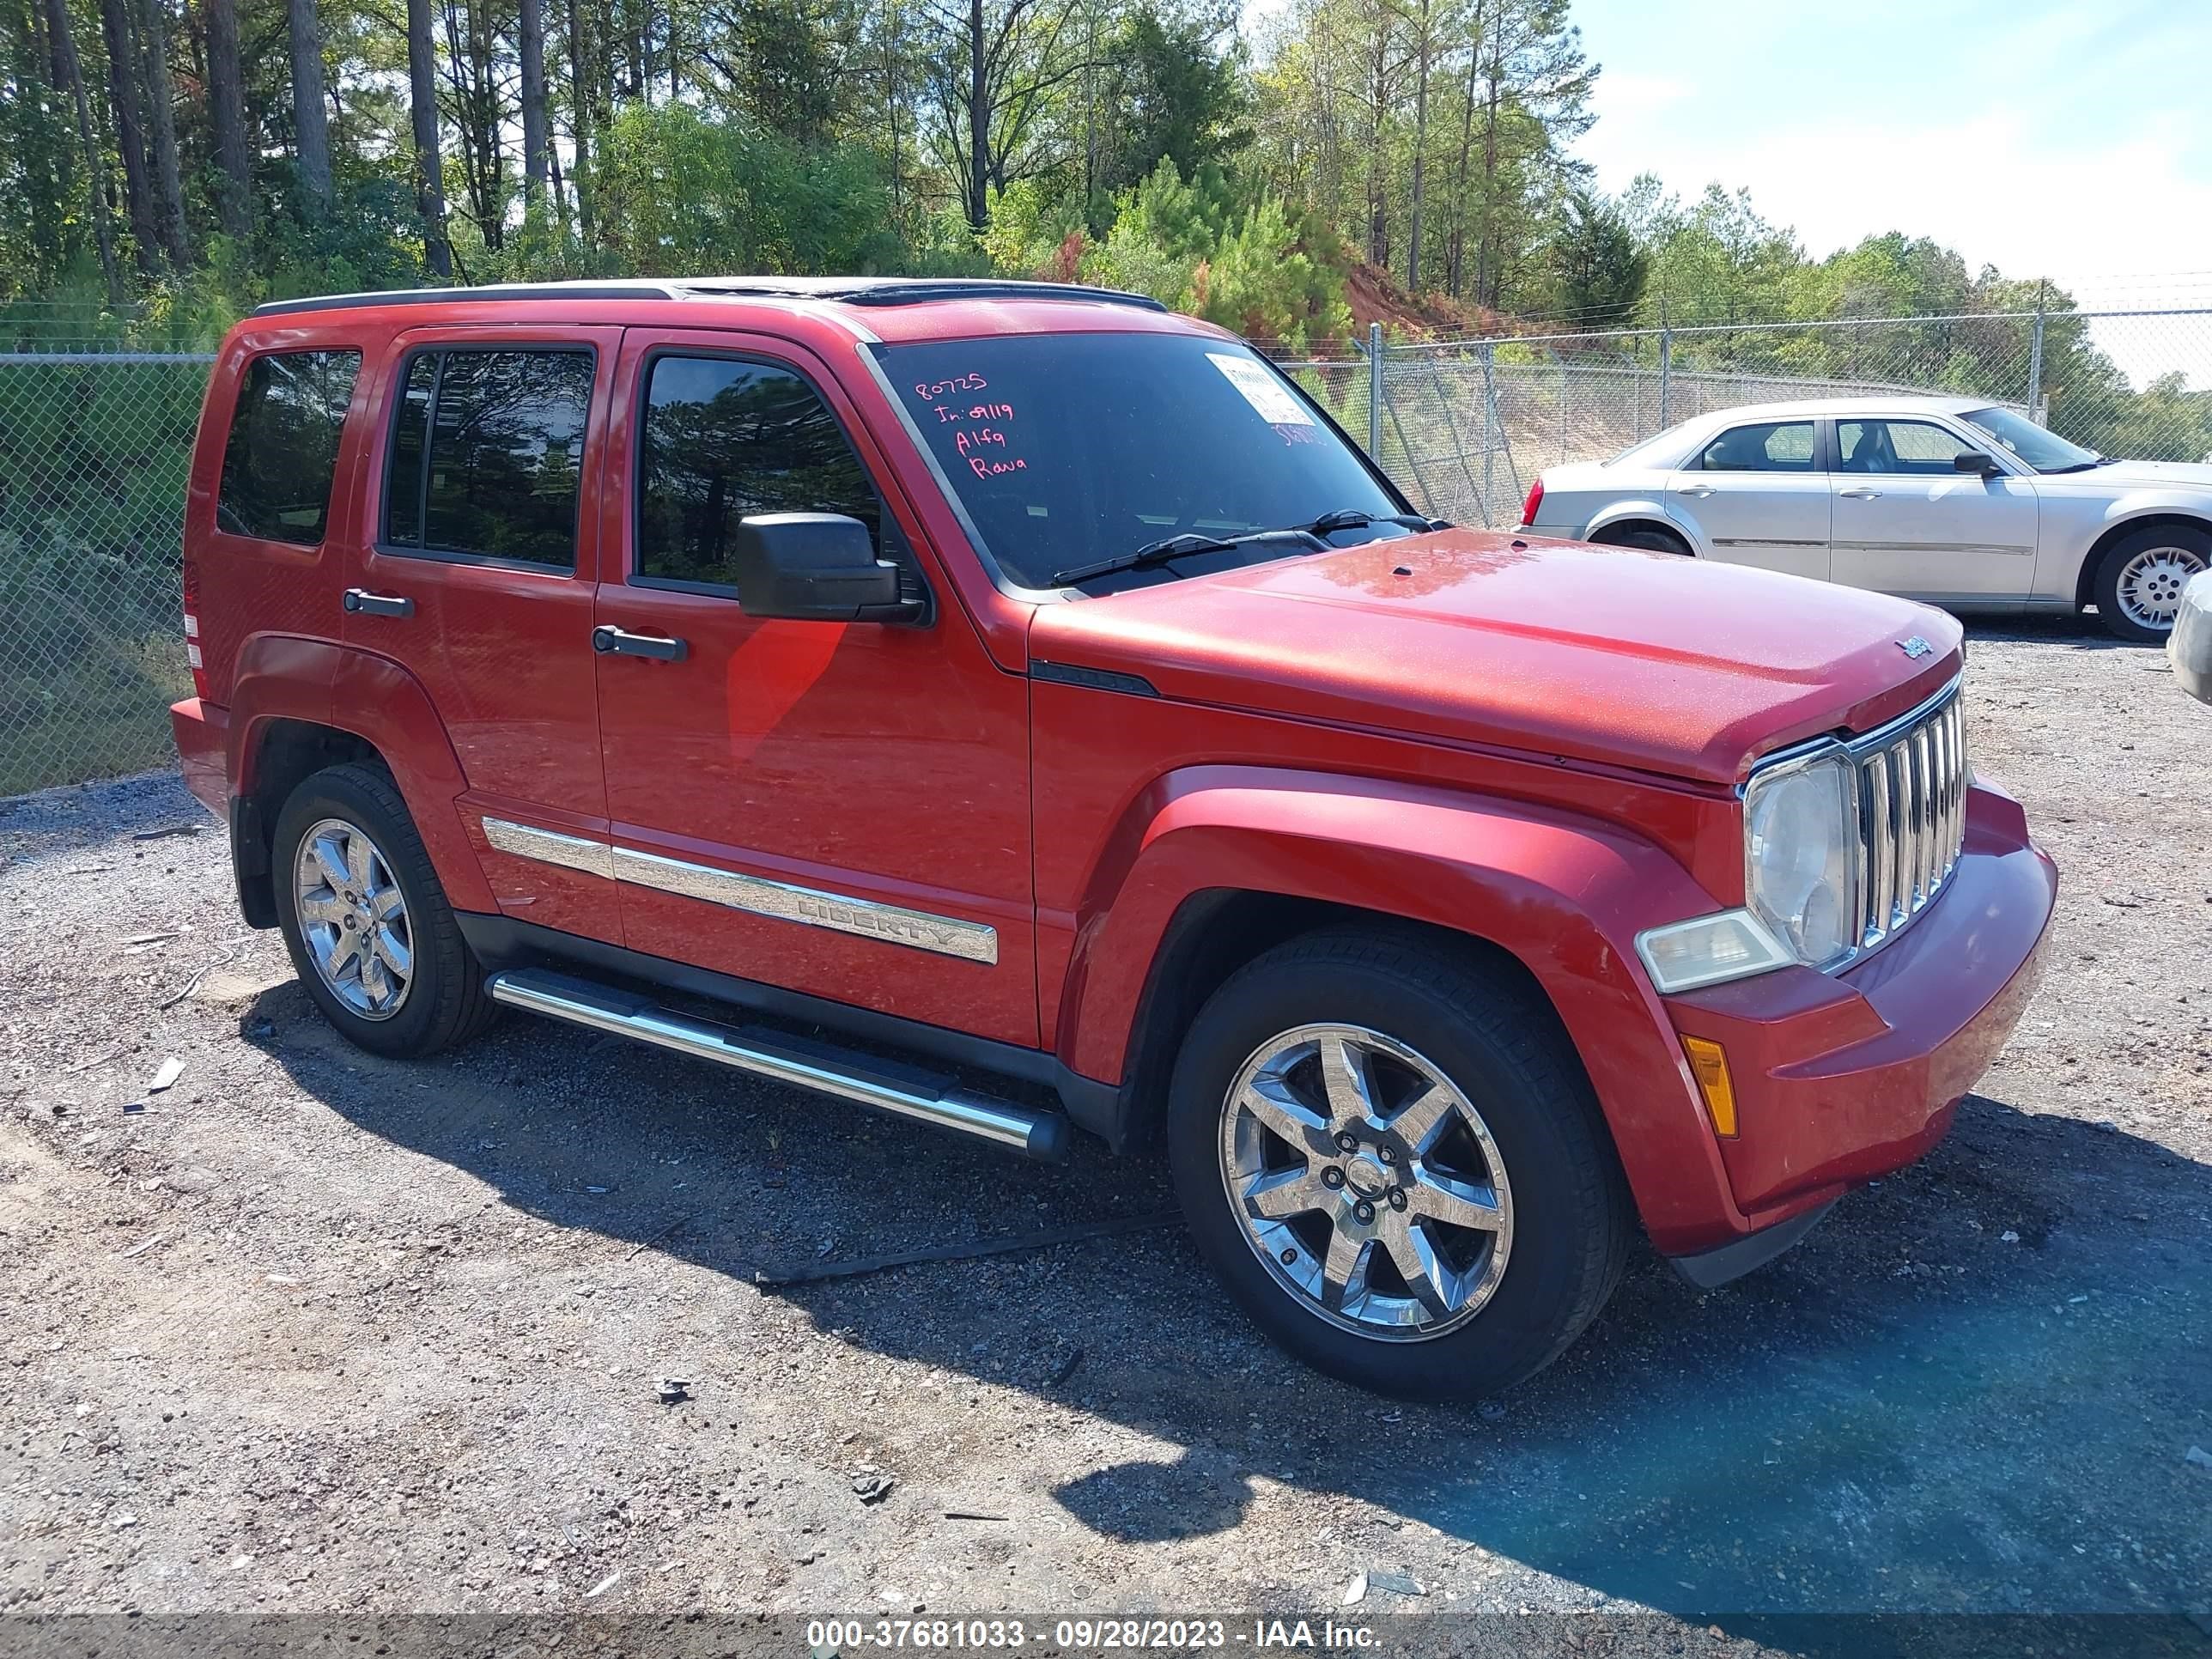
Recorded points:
(1465, 426)
(96, 445)
(95, 451)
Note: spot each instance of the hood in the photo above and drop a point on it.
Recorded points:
(1603, 654)
(2157, 474)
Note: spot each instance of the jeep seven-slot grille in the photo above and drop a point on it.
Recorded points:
(1912, 814)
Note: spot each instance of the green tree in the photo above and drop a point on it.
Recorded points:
(680, 194)
(1595, 262)
(1182, 97)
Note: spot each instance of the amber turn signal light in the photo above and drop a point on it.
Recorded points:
(1708, 1063)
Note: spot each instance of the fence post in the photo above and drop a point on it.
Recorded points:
(1489, 427)
(1666, 371)
(1375, 393)
(1560, 358)
(2035, 364)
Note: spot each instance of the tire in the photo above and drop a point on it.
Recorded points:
(1648, 537)
(1525, 1290)
(440, 996)
(2156, 563)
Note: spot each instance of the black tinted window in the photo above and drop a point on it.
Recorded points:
(1781, 446)
(282, 450)
(724, 439)
(497, 477)
(404, 489)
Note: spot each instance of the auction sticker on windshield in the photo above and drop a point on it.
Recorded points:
(1261, 390)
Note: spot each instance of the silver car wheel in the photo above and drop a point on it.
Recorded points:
(2150, 584)
(354, 919)
(1367, 1183)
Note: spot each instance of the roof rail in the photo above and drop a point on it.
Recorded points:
(912, 290)
(848, 291)
(431, 296)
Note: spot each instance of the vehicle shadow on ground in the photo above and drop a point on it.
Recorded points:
(1971, 1388)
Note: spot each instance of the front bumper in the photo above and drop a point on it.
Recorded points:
(1842, 1079)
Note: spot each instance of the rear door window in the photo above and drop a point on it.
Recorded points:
(283, 452)
(487, 449)
(1772, 447)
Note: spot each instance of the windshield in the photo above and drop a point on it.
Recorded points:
(1068, 450)
(2044, 450)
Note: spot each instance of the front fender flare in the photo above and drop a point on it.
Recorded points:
(2073, 573)
(2155, 502)
(1564, 895)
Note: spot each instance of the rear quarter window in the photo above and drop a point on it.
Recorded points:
(282, 450)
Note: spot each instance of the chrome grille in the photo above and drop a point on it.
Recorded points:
(1912, 813)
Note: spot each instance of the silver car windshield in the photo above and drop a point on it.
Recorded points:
(2042, 449)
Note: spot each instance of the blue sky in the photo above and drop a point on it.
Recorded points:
(2067, 140)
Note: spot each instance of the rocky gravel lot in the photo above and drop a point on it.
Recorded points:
(306, 1331)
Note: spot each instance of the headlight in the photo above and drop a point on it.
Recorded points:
(1800, 880)
(1800, 855)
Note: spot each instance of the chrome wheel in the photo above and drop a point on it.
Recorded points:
(2150, 584)
(354, 919)
(1368, 1184)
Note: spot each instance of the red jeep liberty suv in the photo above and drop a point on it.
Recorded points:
(850, 681)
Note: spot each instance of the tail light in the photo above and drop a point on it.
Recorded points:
(1535, 500)
(192, 629)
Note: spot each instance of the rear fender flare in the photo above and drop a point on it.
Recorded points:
(1564, 895)
(282, 677)
(1615, 512)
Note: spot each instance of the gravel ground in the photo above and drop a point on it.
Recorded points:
(308, 1331)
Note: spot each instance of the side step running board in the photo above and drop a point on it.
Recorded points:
(884, 1085)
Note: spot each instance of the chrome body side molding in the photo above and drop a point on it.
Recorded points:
(594, 858)
(811, 906)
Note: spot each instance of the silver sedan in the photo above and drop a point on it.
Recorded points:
(1954, 501)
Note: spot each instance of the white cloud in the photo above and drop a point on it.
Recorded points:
(1627, 97)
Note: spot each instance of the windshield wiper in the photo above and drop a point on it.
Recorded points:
(1192, 542)
(1351, 517)
(2082, 466)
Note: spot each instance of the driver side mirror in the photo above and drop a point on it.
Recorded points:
(1977, 462)
(817, 566)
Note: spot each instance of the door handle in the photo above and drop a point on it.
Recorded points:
(1695, 491)
(361, 600)
(610, 642)
(1859, 493)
